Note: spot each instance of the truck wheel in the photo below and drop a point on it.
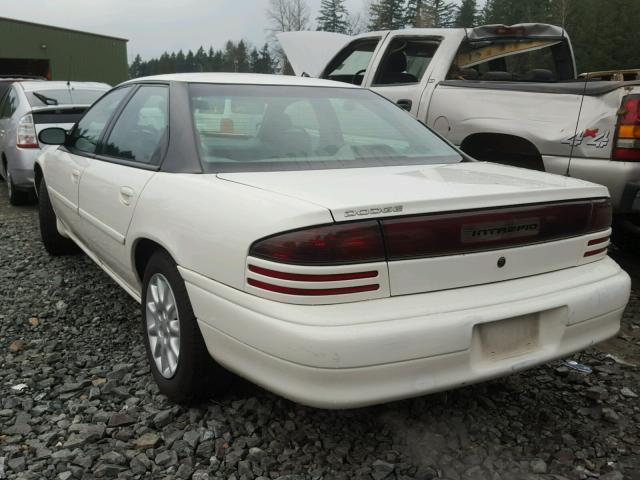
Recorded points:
(179, 359)
(16, 197)
(54, 243)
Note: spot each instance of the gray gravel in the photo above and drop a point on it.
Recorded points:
(77, 401)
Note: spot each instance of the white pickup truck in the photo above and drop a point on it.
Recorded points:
(507, 94)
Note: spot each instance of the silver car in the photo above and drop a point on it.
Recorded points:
(27, 107)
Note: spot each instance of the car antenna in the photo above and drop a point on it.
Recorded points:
(69, 72)
(574, 139)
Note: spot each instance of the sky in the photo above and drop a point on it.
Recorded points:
(155, 26)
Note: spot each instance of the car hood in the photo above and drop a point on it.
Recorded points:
(406, 190)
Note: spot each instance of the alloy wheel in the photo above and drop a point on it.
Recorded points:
(163, 325)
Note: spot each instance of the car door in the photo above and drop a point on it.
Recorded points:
(8, 106)
(64, 166)
(128, 156)
(402, 73)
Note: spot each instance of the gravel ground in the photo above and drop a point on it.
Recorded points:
(77, 401)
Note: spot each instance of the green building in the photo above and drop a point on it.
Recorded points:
(60, 53)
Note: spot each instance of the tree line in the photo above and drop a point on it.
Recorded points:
(604, 33)
(235, 57)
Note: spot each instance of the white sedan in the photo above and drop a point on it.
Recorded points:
(314, 238)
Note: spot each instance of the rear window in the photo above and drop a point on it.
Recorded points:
(264, 127)
(514, 60)
(41, 98)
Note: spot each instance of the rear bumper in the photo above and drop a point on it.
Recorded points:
(348, 355)
(21, 163)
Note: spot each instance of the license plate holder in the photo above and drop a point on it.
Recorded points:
(510, 337)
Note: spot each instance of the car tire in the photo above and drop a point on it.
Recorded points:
(190, 374)
(16, 197)
(54, 243)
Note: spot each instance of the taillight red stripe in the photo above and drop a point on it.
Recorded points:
(595, 252)
(315, 292)
(596, 241)
(626, 154)
(303, 277)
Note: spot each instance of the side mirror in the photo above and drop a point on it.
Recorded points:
(53, 136)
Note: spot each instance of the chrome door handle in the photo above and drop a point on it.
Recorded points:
(75, 176)
(126, 194)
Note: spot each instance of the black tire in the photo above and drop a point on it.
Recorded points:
(54, 243)
(197, 375)
(16, 197)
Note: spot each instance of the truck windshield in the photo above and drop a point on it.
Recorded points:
(266, 128)
(514, 60)
(48, 97)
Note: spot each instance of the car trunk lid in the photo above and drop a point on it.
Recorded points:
(450, 226)
(409, 190)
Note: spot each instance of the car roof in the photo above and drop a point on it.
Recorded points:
(30, 86)
(244, 79)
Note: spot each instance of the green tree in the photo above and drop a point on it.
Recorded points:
(467, 14)
(387, 15)
(333, 16)
(135, 69)
(430, 13)
(241, 57)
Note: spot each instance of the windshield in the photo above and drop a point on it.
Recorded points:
(265, 128)
(40, 98)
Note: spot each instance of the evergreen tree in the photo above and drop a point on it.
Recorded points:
(267, 63)
(467, 14)
(333, 16)
(387, 15)
(135, 69)
(430, 13)
(241, 57)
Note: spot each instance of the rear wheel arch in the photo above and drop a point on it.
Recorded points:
(503, 148)
(142, 251)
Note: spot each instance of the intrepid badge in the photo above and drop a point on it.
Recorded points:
(488, 232)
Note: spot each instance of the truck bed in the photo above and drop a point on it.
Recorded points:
(577, 87)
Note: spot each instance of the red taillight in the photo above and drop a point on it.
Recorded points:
(596, 252)
(627, 146)
(303, 277)
(346, 243)
(466, 232)
(26, 133)
(601, 215)
(427, 236)
(312, 292)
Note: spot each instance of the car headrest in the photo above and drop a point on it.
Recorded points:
(540, 75)
(498, 76)
(469, 73)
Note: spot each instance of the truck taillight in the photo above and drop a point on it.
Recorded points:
(627, 146)
(26, 131)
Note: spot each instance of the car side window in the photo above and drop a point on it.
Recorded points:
(3, 103)
(140, 133)
(9, 104)
(350, 65)
(84, 138)
(405, 61)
